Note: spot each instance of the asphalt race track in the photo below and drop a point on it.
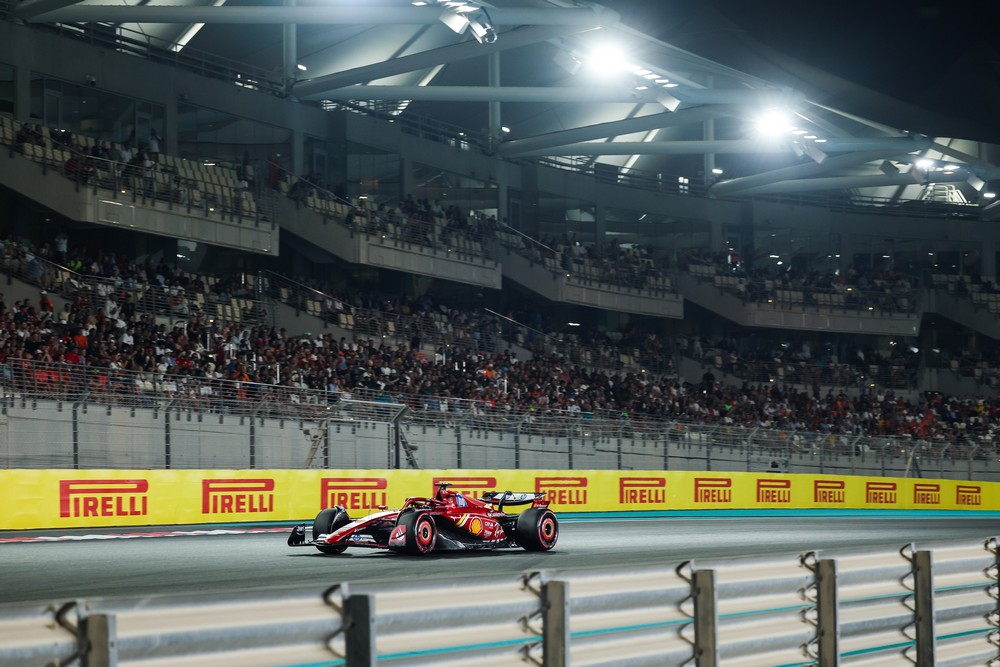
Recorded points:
(81, 565)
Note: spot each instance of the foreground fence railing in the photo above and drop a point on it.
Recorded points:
(913, 606)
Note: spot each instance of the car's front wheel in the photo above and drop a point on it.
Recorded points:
(537, 529)
(329, 521)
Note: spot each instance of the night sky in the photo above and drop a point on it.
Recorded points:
(895, 46)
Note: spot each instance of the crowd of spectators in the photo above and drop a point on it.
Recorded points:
(255, 357)
(773, 358)
(625, 264)
(98, 331)
(103, 277)
(857, 288)
(131, 163)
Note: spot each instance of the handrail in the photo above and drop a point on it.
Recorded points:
(525, 237)
(158, 50)
(893, 604)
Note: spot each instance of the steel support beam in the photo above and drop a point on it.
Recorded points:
(847, 182)
(734, 96)
(31, 8)
(724, 188)
(615, 128)
(487, 94)
(315, 15)
(662, 148)
(511, 39)
(290, 52)
(495, 122)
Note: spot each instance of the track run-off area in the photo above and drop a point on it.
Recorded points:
(58, 565)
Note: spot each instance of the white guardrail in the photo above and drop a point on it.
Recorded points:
(934, 606)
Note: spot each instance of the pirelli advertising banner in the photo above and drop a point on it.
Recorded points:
(95, 498)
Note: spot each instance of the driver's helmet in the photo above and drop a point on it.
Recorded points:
(460, 500)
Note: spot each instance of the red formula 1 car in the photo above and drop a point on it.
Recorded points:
(449, 521)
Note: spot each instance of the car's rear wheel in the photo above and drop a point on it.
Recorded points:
(421, 533)
(537, 529)
(328, 521)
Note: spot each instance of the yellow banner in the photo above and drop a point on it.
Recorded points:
(101, 498)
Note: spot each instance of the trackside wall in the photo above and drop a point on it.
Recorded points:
(104, 498)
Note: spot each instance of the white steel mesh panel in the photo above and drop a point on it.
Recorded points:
(436, 445)
(120, 438)
(360, 445)
(635, 617)
(761, 606)
(35, 434)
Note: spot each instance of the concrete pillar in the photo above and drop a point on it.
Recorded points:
(715, 237)
(169, 138)
(848, 247)
(503, 194)
(600, 224)
(530, 224)
(298, 165)
(988, 263)
(708, 134)
(495, 122)
(22, 91)
(405, 177)
(290, 62)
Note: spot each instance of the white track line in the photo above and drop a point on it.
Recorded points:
(131, 536)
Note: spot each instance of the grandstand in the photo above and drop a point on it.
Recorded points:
(294, 233)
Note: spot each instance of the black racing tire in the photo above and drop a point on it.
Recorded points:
(537, 529)
(327, 521)
(421, 533)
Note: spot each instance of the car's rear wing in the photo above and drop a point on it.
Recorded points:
(511, 498)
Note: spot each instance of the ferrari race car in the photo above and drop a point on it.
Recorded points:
(449, 521)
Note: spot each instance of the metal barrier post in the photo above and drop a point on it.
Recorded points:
(555, 640)
(706, 619)
(359, 629)
(100, 632)
(923, 588)
(828, 611)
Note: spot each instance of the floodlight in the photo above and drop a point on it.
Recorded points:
(607, 59)
(669, 102)
(482, 26)
(815, 153)
(567, 61)
(454, 20)
(773, 122)
(976, 182)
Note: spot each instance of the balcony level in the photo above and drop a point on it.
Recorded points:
(179, 199)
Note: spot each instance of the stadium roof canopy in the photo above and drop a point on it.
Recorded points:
(570, 80)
